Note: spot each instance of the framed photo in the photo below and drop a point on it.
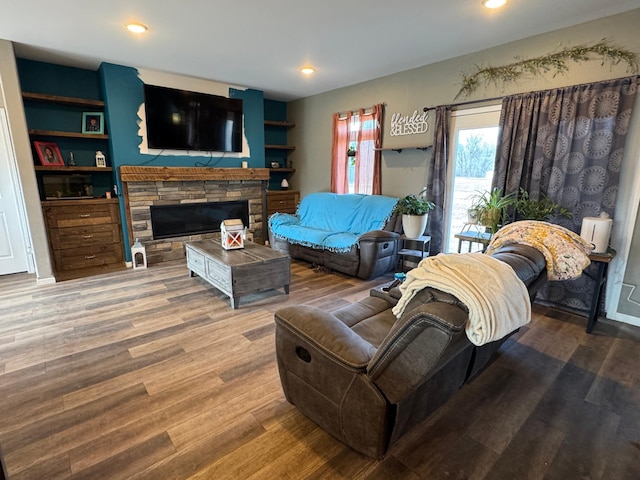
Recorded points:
(93, 122)
(49, 154)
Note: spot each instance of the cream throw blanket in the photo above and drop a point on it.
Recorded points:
(497, 300)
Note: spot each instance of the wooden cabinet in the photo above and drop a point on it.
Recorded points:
(84, 236)
(283, 201)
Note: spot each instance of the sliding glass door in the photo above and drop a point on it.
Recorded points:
(474, 134)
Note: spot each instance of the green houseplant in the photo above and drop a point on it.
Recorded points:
(414, 209)
(490, 207)
(543, 209)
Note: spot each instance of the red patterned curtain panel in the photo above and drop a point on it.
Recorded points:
(359, 172)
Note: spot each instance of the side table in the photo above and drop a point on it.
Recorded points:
(602, 261)
(412, 250)
(473, 236)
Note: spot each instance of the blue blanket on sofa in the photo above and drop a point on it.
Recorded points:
(331, 221)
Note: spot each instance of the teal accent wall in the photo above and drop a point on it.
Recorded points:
(123, 94)
(275, 110)
(54, 79)
(253, 106)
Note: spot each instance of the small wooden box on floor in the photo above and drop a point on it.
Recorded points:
(252, 269)
(282, 201)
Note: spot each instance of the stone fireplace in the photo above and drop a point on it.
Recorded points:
(144, 187)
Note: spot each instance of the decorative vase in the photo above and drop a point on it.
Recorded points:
(414, 225)
(472, 217)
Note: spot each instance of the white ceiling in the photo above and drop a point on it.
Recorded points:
(262, 43)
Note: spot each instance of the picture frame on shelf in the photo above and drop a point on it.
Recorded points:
(49, 154)
(93, 122)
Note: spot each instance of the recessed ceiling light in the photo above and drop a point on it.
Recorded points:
(137, 27)
(493, 3)
(307, 70)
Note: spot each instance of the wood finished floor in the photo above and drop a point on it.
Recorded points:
(149, 374)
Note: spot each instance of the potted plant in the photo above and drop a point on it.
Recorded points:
(490, 207)
(472, 216)
(414, 210)
(543, 209)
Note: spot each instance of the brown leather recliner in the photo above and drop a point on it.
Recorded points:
(367, 377)
(376, 249)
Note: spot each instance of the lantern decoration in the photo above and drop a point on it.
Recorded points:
(232, 234)
(138, 255)
(101, 161)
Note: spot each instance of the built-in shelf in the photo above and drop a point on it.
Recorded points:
(81, 102)
(400, 149)
(58, 133)
(274, 123)
(65, 169)
(277, 151)
(280, 147)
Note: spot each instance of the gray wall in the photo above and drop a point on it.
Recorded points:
(438, 84)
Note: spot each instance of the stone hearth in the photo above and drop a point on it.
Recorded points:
(146, 186)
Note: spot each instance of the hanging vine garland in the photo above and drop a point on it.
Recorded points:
(555, 62)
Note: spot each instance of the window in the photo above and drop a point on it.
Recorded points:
(474, 136)
(355, 165)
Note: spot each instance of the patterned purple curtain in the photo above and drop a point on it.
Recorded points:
(567, 144)
(437, 176)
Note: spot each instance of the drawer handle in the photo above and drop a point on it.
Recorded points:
(87, 236)
(85, 215)
(89, 257)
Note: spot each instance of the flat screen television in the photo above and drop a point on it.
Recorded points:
(183, 120)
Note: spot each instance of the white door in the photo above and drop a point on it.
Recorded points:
(13, 256)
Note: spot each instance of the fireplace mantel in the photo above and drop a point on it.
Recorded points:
(129, 173)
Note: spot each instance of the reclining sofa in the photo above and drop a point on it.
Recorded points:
(352, 234)
(366, 376)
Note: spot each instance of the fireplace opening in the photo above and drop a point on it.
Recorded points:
(169, 221)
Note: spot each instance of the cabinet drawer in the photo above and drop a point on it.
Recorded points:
(195, 261)
(80, 215)
(93, 256)
(219, 275)
(285, 202)
(76, 237)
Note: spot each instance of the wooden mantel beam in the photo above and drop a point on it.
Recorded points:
(130, 173)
